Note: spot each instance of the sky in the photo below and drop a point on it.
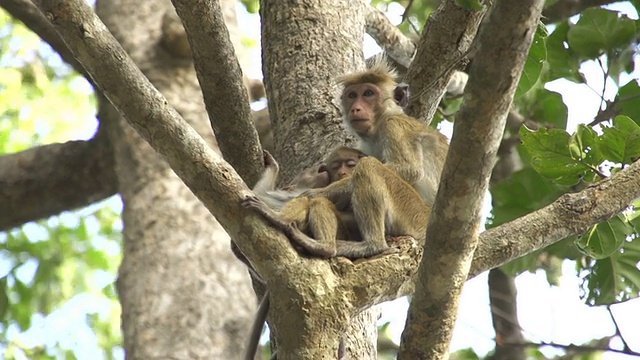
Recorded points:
(546, 313)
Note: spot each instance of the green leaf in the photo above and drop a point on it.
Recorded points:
(523, 192)
(535, 61)
(604, 239)
(588, 142)
(4, 297)
(613, 279)
(550, 109)
(563, 61)
(628, 100)
(600, 30)
(621, 143)
(551, 157)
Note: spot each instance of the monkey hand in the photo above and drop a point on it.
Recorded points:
(268, 159)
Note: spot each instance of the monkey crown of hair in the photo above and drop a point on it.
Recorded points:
(378, 72)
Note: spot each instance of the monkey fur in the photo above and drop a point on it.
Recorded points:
(406, 161)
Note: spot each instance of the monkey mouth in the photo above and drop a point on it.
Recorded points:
(359, 120)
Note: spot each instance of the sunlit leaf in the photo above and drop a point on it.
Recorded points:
(551, 157)
(613, 279)
(621, 143)
(600, 30)
(628, 100)
(604, 239)
(535, 61)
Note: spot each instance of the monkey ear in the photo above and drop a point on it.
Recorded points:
(401, 94)
(323, 168)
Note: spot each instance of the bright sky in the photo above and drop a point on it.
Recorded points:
(546, 313)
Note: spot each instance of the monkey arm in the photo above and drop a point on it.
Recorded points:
(339, 192)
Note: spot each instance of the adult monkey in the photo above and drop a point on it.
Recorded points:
(412, 155)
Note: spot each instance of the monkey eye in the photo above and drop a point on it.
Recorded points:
(352, 95)
(368, 92)
(351, 163)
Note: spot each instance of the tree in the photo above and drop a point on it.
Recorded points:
(174, 249)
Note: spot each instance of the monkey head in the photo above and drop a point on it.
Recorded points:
(369, 94)
(340, 163)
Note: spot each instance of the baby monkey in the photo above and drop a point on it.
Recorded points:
(313, 223)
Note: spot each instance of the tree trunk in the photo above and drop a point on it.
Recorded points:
(183, 293)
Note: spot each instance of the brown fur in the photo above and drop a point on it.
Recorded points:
(383, 195)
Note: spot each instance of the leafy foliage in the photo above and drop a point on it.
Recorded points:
(556, 159)
(56, 275)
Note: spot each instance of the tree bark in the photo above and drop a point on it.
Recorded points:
(183, 294)
(452, 236)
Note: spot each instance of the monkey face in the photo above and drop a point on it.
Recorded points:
(360, 102)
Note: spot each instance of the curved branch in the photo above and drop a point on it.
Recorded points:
(207, 175)
(45, 180)
(25, 11)
(392, 40)
(225, 96)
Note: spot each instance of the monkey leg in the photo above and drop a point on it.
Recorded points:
(296, 213)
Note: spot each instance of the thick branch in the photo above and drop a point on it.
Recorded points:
(447, 36)
(453, 227)
(571, 214)
(563, 9)
(25, 11)
(206, 174)
(45, 180)
(220, 78)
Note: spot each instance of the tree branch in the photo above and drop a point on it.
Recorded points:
(225, 96)
(571, 214)
(206, 174)
(25, 11)
(563, 9)
(392, 40)
(452, 235)
(45, 180)
(447, 35)
(400, 48)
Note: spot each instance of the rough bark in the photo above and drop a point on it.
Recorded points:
(446, 37)
(325, 38)
(225, 96)
(46, 180)
(452, 236)
(304, 111)
(183, 294)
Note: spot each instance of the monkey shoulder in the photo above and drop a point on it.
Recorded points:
(405, 127)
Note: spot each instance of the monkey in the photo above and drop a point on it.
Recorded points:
(314, 217)
(317, 217)
(406, 158)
